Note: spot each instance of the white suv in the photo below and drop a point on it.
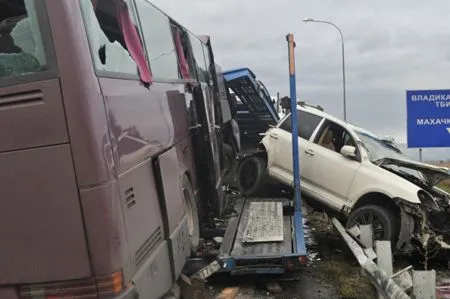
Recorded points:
(355, 175)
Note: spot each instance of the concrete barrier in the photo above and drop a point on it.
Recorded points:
(380, 279)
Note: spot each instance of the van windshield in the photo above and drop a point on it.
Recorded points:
(21, 47)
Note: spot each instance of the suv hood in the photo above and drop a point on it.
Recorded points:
(432, 174)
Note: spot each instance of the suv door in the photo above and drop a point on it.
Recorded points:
(329, 173)
(280, 146)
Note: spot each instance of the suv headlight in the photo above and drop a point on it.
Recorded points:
(427, 200)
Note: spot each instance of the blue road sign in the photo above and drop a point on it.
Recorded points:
(428, 118)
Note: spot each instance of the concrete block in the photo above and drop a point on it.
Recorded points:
(354, 231)
(384, 256)
(366, 236)
(370, 253)
(424, 284)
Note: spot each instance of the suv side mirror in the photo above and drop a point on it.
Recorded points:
(348, 151)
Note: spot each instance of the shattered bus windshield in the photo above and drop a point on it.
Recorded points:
(21, 46)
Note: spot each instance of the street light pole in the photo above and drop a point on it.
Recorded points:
(343, 58)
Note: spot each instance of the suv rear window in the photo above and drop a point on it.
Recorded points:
(307, 123)
(22, 50)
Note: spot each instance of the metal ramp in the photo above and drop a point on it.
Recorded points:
(241, 248)
(259, 237)
(265, 222)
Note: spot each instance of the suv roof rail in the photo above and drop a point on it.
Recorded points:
(303, 103)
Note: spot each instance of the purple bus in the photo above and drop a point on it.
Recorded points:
(109, 114)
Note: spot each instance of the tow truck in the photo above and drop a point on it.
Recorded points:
(258, 235)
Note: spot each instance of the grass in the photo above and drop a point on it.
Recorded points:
(351, 283)
(445, 185)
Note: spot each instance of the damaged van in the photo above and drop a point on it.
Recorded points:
(357, 176)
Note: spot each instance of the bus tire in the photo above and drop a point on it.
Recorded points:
(250, 175)
(192, 214)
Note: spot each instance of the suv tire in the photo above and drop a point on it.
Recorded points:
(250, 175)
(384, 223)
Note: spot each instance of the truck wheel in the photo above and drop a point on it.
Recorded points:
(250, 175)
(192, 214)
(229, 163)
(383, 221)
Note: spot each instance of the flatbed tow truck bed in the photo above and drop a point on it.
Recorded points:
(264, 235)
(248, 246)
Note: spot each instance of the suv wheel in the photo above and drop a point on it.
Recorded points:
(250, 175)
(384, 223)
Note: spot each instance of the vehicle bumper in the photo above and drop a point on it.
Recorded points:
(420, 229)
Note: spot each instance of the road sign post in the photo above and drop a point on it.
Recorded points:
(428, 118)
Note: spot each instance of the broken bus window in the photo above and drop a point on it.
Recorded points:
(114, 38)
(21, 48)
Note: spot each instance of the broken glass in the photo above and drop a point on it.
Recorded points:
(107, 48)
(21, 48)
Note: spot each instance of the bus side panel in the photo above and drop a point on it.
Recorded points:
(142, 213)
(143, 122)
(42, 237)
(32, 115)
(85, 111)
(154, 278)
(180, 244)
(105, 229)
(173, 168)
(172, 175)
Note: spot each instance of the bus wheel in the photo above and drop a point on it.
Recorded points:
(192, 214)
(250, 175)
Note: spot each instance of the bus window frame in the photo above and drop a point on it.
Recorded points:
(191, 59)
(190, 36)
(111, 74)
(124, 76)
(50, 55)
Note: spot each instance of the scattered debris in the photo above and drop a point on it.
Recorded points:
(218, 240)
(191, 289)
(274, 287)
(228, 293)
(403, 278)
(443, 292)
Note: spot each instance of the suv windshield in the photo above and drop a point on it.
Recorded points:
(21, 47)
(378, 149)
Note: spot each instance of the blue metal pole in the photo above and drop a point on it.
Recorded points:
(298, 218)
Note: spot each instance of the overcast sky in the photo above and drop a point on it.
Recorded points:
(390, 46)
